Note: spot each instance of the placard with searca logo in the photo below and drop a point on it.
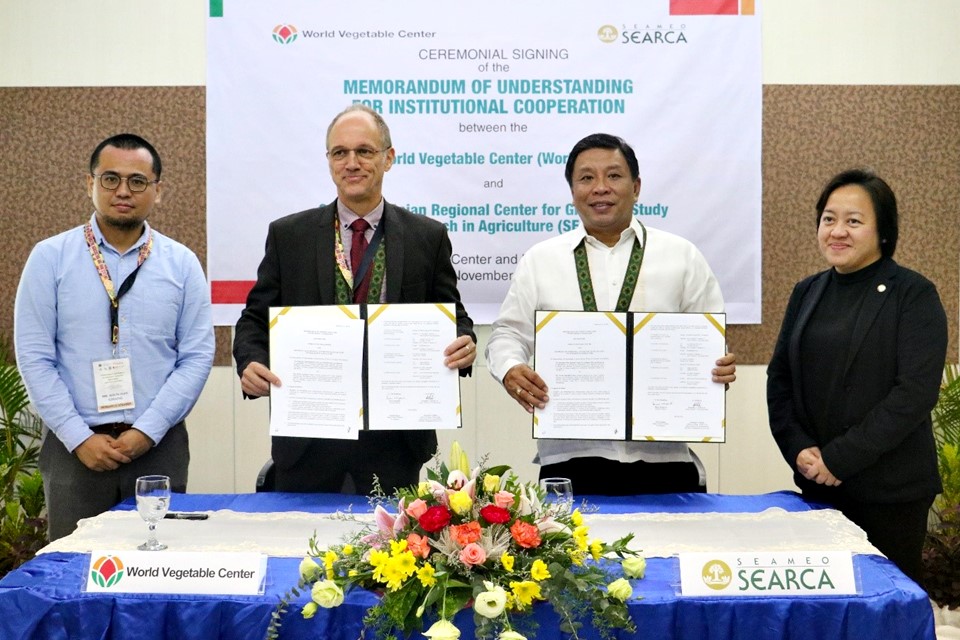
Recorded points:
(790, 573)
(176, 572)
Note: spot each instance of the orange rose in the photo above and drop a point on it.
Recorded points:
(418, 545)
(464, 534)
(525, 534)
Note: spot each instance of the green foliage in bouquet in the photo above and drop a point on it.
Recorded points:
(23, 529)
(481, 540)
(941, 551)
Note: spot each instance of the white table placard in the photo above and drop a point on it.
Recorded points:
(789, 573)
(176, 572)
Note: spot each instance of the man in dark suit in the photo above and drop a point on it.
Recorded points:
(312, 258)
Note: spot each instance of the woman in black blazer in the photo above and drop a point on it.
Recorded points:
(856, 371)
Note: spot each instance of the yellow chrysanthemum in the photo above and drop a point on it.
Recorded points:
(507, 561)
(347, 550)
(539, 571)
(577, 556)
(576, 518)
(397, 569)
(397, 547)
(425, 574)
(525, 592)
(378, 560)
(461, 502)
(353, 573)
(328, 559)
(580, 537)
(596, 548)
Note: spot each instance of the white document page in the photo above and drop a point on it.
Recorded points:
(674, 397)
(317, 352)
(582, 358)
(409, 386)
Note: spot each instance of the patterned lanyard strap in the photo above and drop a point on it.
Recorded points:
(629, 279)
(344, 281)
(101, 266)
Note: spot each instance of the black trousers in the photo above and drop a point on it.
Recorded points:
(897, 530)
(602, 477)
(349, 466)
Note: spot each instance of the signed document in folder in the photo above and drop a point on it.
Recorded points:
(674, 395)
(630, 376)
(582, 358)
(409, 386)
(317, 352)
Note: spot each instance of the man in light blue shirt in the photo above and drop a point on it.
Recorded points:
(114, 340)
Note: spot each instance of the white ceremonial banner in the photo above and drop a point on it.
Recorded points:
(409, 387)
(228, 573)
(484, 103)
(757, 573)
(317, 352)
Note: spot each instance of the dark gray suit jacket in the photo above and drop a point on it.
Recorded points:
(298, 268)
(885, 452)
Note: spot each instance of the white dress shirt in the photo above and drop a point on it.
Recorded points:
(674, 277)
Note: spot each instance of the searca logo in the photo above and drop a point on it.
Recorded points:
(284, 33)
(643, 34)
(107, 571)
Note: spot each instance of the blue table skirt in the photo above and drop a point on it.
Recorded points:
(43, 599)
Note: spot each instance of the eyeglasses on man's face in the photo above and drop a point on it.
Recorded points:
(136, 183)
(364, 154)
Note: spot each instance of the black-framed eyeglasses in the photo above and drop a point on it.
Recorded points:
(136, 183)
(364, 154)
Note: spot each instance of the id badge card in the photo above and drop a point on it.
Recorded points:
(113, 384)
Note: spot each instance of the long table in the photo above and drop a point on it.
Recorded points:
(44, 599)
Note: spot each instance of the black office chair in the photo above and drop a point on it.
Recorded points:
(702, 470)
(267, 478)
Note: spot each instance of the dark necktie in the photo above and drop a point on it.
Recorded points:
(357, 248)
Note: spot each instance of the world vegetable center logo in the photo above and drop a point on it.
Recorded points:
(107, 571)
(284, 33)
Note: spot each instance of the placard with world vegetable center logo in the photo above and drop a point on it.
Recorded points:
(176, 572)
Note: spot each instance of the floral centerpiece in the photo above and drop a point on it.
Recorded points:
(481, 540)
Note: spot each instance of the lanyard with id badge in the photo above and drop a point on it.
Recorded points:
(112, 379)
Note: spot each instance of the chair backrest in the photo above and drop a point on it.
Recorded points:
(267, 478)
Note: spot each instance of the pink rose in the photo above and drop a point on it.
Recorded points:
(416, 509)
(503, 499)
(472, 555)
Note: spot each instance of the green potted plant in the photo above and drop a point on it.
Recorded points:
(941, 553)
(23, 525)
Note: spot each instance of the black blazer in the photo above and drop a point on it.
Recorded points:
(298, 268)
(885, 452)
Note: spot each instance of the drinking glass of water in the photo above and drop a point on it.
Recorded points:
(558, 492)
(153, 500)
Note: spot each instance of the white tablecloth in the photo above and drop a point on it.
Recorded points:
(657, 534)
